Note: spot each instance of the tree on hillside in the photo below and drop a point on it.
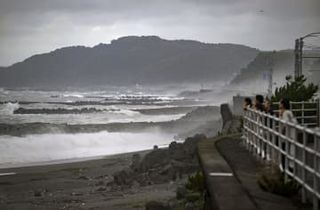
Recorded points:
(295, 89)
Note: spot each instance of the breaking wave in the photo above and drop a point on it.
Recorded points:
(18, 151)
(8, 108)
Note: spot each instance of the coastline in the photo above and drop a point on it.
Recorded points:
(78, 185)
(68, 161)
(108, 182)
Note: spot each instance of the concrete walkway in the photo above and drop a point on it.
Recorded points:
(231, 176)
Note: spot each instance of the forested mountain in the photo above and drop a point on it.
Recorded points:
(130, 60)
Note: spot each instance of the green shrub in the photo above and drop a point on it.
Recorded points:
(295, 90)
(274, 182)
(196, 183)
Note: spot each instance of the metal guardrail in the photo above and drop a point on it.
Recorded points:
(292, 147)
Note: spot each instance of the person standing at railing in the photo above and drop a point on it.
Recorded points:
(268, 107)
(247, 104)
(258, 103)
(286, 114)
(284, 111)
(268, 110)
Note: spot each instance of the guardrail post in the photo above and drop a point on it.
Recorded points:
(262, 138)
(294, 151)
(286, 159)
(302, 113)
(280, 143)
(303, 173)
(274, 149)
(315, 178)
(255, 139)
(318, 111)
(268, 139)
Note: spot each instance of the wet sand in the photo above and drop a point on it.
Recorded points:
(78, 185)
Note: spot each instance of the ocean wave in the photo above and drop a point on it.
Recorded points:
(62, 111)
(51, 147)
(8, 108)
(127, 112)
(73, 95)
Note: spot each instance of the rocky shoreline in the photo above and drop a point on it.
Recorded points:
(127, 181)
(143, 180)
(161, 165)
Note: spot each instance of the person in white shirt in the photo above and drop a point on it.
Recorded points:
(284, 111)
(286, 114)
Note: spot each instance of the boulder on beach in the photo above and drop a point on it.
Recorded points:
(162, 165)
(155, 159)
(124, 177)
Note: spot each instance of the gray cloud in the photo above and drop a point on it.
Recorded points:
(35, 26)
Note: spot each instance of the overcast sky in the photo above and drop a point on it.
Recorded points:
(30, 27)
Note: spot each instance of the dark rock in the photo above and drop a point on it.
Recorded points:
(191, 143)
(155, 205)
(162, 174)
(84, 178)
(226, 113)
(100, 183)
(161, 165)
(135, 165)
(100, 189)
(143, 179)
(181, 193)
(38, 193)
(124, 177)
(155, 159)
(76, 194)
(176, 151)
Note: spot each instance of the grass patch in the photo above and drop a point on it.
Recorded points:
(272, 180)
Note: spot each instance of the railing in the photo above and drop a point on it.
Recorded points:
(292, 147)
(306, 112)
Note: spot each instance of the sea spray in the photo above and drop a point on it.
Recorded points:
(52, 147)
(8, 108)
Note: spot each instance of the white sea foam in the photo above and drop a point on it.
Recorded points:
(52, 147)
(8, 108)
(73, 95)
(127, 112)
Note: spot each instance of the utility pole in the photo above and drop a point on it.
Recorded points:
(270, 76)
(298, 57)
(298, 52)
(270, 83)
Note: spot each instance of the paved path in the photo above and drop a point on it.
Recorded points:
(240, 191)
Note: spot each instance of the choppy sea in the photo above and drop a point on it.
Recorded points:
(83, 107)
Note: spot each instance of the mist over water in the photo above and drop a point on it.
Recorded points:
(17, 151)
(51, 108)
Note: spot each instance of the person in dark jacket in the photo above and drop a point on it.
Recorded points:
(258, 103)
(268, 107)
(247, 104)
